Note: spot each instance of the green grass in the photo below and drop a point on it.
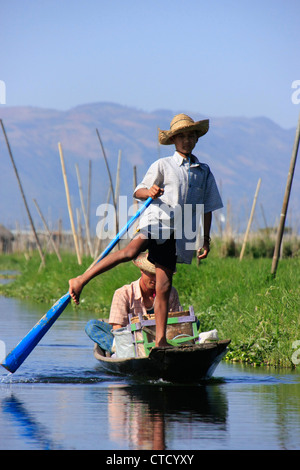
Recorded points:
(240, 299)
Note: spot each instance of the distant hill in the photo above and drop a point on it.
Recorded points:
(238, 150)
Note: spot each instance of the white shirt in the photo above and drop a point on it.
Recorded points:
(189, 187)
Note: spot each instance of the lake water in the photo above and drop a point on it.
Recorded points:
(58, 399)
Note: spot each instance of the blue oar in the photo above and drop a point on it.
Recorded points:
(18, 355)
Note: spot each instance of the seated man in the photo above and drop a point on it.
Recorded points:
(137, 297)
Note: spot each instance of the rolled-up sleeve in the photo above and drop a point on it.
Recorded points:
(153, 176)
(212, 198)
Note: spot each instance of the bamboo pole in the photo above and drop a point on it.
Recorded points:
(24, 198)
(134, 178)
(69, 202)
(79, 231)
(110, 181)
(89, 195)
(286, 201)
(134, 186)
(98, 239)
(117, 191)
(47, 229)
(250, 219)
(265, 220)
(84, 211)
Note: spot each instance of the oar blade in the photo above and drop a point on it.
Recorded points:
(18, 355)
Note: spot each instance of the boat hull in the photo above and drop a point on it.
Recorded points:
(183, 364)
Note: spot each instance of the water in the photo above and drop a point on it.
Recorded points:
(58, 399)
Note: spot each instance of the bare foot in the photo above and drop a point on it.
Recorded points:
(75, 288)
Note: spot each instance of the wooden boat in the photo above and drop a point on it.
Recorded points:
(188, 363)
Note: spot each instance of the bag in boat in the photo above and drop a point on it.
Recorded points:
(123, 343)
(206, 336)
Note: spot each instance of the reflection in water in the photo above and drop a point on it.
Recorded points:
(280, 405)
(58, 399)
(29, 428)
(142, 415)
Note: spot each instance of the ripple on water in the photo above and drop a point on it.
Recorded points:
(59, 376)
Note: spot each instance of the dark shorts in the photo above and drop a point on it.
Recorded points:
(164, 253)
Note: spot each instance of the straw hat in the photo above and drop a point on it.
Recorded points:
(180, 123)
(141, 261)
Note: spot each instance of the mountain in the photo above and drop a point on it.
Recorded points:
(239, 151)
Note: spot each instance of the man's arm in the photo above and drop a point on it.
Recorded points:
(151, 183)
(206, 245)
(144, 193)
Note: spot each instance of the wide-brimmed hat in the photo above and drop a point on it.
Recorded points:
(141, 261)
(181, 123)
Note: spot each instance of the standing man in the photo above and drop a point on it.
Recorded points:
(173, 181)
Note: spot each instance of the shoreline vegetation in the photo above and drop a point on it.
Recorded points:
(241, 299)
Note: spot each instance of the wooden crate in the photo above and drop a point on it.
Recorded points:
(181, 327)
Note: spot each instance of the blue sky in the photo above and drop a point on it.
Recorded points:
(217, 58)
